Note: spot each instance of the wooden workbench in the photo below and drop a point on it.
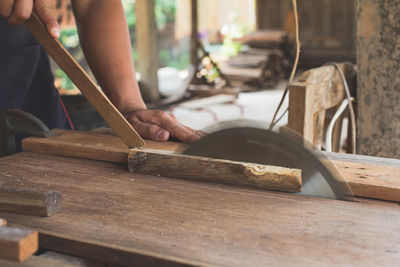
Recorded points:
(114, 216)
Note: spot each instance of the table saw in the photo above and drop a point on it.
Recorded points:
(116, 217)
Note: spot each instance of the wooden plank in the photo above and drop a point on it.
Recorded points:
(84, 83)
(194, 40)
(107, 147)
(17, 244)
(147, 50)
(3, 222)
(90, 145)
(161, 163)
(117, 217)
(362, 180)
(38, 203)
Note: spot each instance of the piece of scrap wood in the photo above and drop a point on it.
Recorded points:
(362, 179)
(3, 222)
(39, 203)
(17, 244)
(166, 164)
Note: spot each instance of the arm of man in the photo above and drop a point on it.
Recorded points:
(105, 40)
(104, 37)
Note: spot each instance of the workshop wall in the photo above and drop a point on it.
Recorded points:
(379, 77)
(327, 28)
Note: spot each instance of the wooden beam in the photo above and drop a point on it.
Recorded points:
(38, 203)
(378, 94)
(194, 42)
(17, 244)
(146, 42)
(161, 163)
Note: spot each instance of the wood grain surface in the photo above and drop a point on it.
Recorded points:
(84, 83)
(17, 244)
(39, 203)
(383, 179)
(90, 145)
(167, 164)
(113, 216)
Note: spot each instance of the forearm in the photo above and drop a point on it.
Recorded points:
(104, 37)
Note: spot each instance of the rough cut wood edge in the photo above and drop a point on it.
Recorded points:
(84, 83)
(160, 163)
(28, 202)
(17, 244)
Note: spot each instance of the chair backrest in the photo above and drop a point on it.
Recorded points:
(317, 91)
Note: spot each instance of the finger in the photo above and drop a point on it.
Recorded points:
(148, 130)
(169, 123)
(6, 7)
(21, 12)
(45, 13)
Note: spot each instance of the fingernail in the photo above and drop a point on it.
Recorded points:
(162, 135)
(56, 32)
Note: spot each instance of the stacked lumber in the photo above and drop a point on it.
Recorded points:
(264, 62)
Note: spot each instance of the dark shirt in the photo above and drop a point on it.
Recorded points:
(26, 81)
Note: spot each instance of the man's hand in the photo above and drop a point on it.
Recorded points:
(19, 11)
(159, 125)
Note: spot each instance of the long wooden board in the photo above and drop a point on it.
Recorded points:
(370, 179)
(113, 216)
(39, 203)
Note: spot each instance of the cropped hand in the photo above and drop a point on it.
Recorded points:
(19, 11)
(160, 126)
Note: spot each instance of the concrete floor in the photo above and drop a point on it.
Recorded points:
(259, 106)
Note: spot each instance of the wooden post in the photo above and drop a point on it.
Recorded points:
(146, 34)
(378, 95)
(194, 58)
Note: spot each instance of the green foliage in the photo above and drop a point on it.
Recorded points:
(69, 37)
(66, 83)
(165, 11)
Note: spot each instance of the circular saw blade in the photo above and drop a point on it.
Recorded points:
(257, 145)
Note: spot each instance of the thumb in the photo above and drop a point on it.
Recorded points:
(45, 12)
